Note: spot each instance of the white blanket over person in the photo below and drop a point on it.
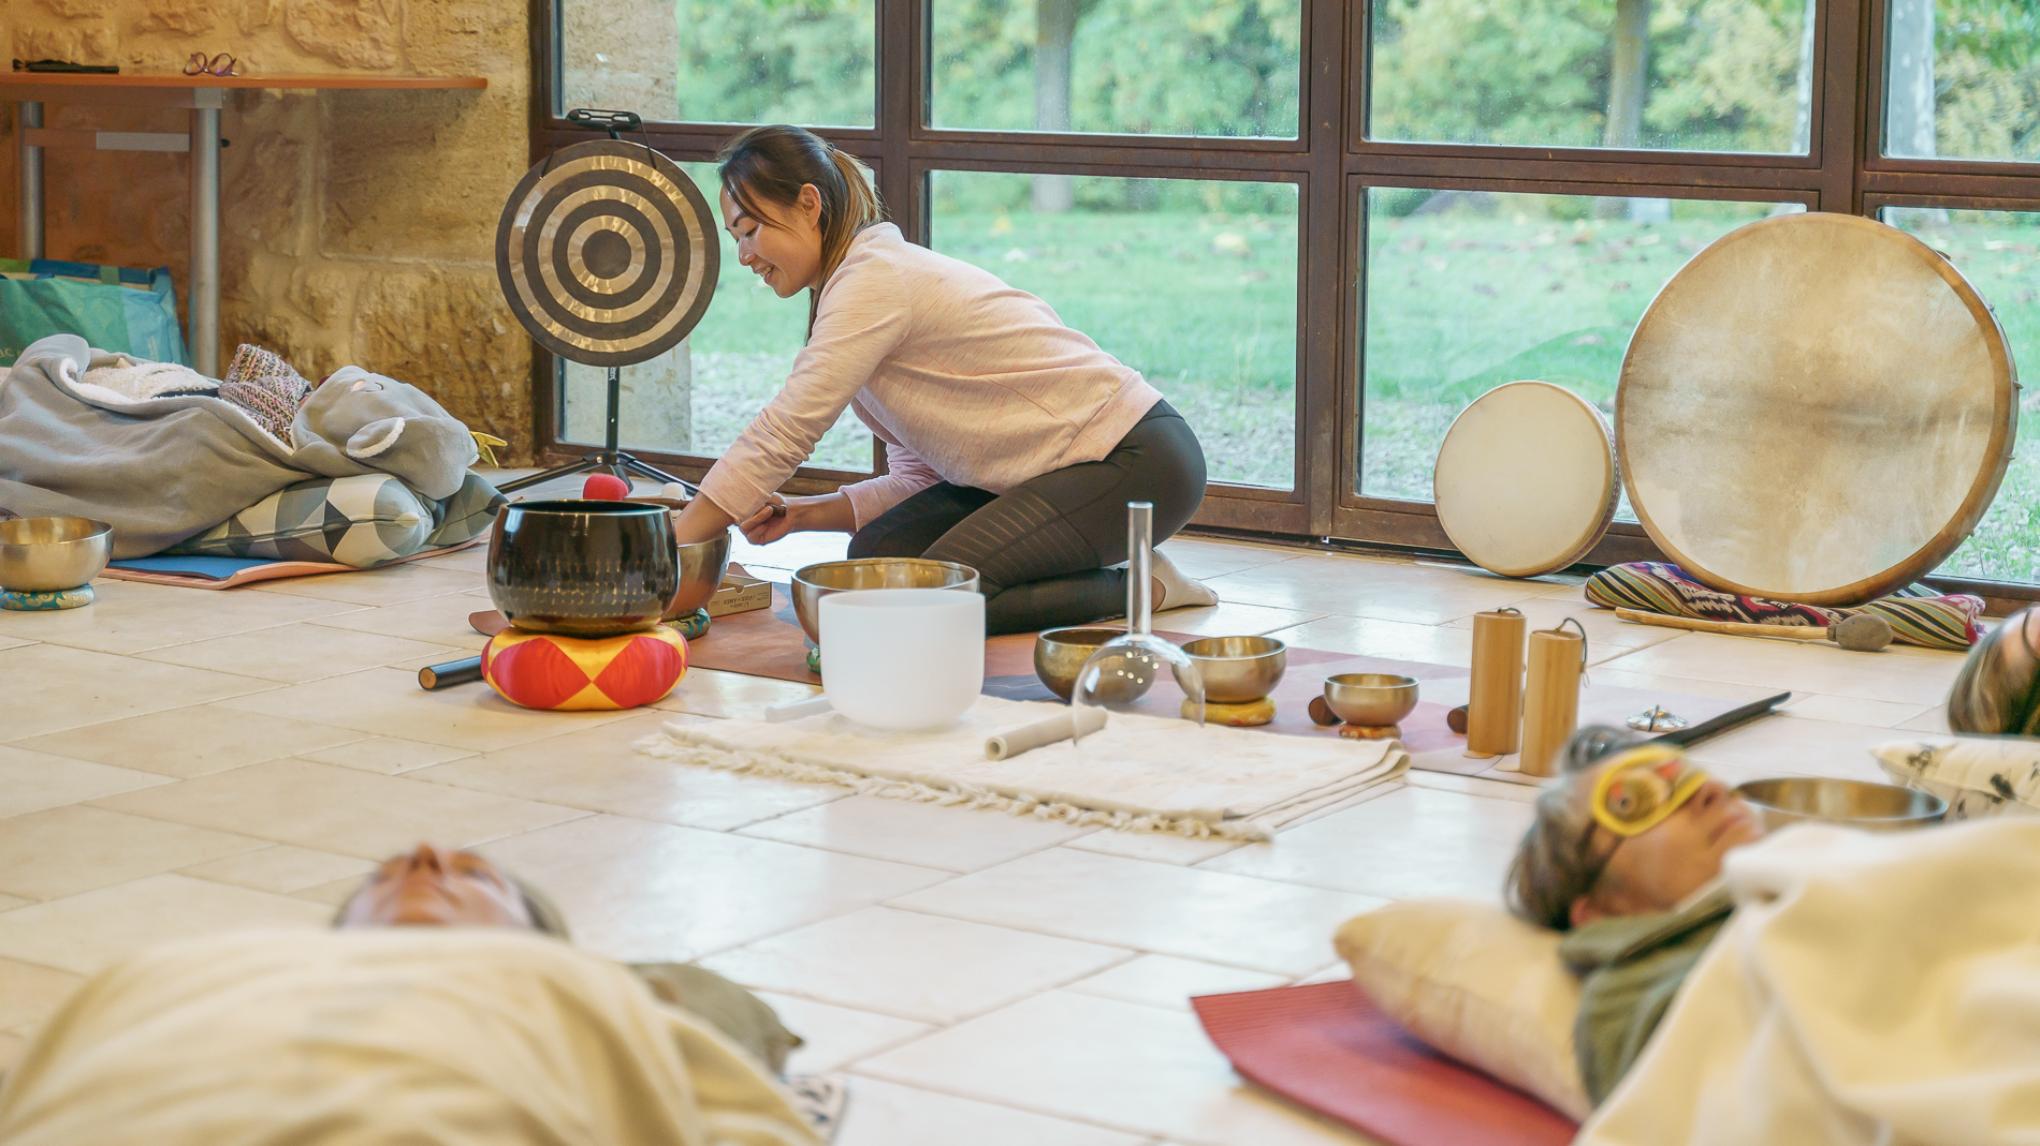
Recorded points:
(1872, 989)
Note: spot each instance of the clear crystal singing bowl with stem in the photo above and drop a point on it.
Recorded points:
(1126, 669)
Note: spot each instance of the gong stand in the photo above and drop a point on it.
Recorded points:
(606, 257)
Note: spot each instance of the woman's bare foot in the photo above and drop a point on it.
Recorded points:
(1175, 590)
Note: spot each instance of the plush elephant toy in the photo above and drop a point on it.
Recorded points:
(369, 422)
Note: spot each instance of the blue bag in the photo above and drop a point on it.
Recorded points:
(117, 309)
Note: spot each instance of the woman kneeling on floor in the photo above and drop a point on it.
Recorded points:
(1625, 856)
(441, 1008)
(1013, 443)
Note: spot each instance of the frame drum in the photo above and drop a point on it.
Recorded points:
(1525, 482)
(1817, 407)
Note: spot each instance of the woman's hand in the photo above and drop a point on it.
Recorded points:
(825, 513)
(770, 523)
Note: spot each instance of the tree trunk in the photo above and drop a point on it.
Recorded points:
(1628, 82)
(1055, 29)
(1909, 124)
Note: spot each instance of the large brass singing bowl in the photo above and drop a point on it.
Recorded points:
(702, 565)
(1238, 670)
(813, 582)
(44, 554)
(1371, 699)
(1856, 803)
(1059, 654)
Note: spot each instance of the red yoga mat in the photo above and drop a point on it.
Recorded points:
(1327, 1048)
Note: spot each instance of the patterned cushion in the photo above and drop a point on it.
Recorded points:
(541, 670)
(364, 521)
(1918, 615)
(1978, 776)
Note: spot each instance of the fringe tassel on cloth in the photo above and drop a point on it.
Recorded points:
(1918, 615)
(1244, 797)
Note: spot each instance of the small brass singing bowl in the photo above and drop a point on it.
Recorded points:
(1059, 654)
(1856, 803)
(1238, 670)
(1371, 699)
(47, 554)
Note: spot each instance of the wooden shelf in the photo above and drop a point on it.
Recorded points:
(336, 81)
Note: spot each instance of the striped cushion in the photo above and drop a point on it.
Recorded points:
(1918, 615)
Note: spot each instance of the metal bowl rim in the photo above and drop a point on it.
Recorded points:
(1935, 808)
(1280, 648)
(99, 529)
(1349, 680)
(800, 575)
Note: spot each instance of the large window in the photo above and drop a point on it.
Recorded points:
(1321, 227)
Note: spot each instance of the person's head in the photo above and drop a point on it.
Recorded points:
(445, 887)
(1629, 828)
(1997, 693)
(793, 203)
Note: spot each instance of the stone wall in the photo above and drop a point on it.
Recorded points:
(356, 226)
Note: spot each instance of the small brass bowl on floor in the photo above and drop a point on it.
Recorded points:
(813, 582)
(1060, 653)
(1371, 699)
(47, 554)
(1852, 803)
(1238, 670)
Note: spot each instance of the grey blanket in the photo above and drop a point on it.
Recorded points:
(160, 470)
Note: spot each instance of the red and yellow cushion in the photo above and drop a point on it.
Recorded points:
(541, 670)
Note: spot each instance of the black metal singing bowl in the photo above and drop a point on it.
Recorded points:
(583, 568)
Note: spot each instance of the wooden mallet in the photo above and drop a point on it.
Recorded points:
(1858, 632)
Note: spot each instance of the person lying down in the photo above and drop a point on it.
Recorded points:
(443, 1007)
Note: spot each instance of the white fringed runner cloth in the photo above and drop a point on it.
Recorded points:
(1141, 773)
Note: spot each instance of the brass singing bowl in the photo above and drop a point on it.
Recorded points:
(45, 554)
(1371, 699)
(1059, 654)
(1856, 803)
(1238, 670)
(813, 582)
(702, 565)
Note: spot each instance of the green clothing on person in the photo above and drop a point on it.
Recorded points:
(1631, 968)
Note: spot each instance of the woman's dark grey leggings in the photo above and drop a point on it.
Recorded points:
(1041, 548)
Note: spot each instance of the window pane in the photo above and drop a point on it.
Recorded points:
(1693, 75)
(1962, 80)
(699, 396)
(721, 61)
(1145, 67)
(1997, 251)
(1191, 283)
(1468, 290)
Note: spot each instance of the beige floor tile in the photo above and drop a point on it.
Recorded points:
(640, 891)
(332, 894)
(884, 1113)
(293, 654)
(390, 585)
(708, 692)
(474, 559)
(1409, 843)
(65, 851)
(837, 1036)
(51, 687)
(1158, 847)
(1281, 928)
(1933, 720)
(342, 810)
(1920, 680)
(1166, 981)
(1472, 786)
(193, 741)
(1078, 1056)
(1367, 587)
(433, 621)
(1606, 633)
(386, 754)
(10, 902)
(1855, 710)
(1203, 557)
(601, 770)
(12, 1047)
(923, 967)
(791, 551)
(1231, 619)
(1363, 636)
(7, 642)
(282, 869)
(1790, 745)
(86, 932)
(29, 992)
(388, 702)
(953, 839)
(32, 781)
(1613, 673)
(131, 616)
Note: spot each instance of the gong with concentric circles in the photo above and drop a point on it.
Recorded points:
(607, 253)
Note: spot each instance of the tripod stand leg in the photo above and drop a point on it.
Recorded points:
(646, 469)
(571, 468)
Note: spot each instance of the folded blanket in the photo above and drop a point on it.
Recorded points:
(1141, 773)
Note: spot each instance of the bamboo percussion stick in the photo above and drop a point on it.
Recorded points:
(1860, 632)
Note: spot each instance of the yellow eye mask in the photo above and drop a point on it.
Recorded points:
(1642, 787)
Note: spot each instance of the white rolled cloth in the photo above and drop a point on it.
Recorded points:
(1048, 730)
